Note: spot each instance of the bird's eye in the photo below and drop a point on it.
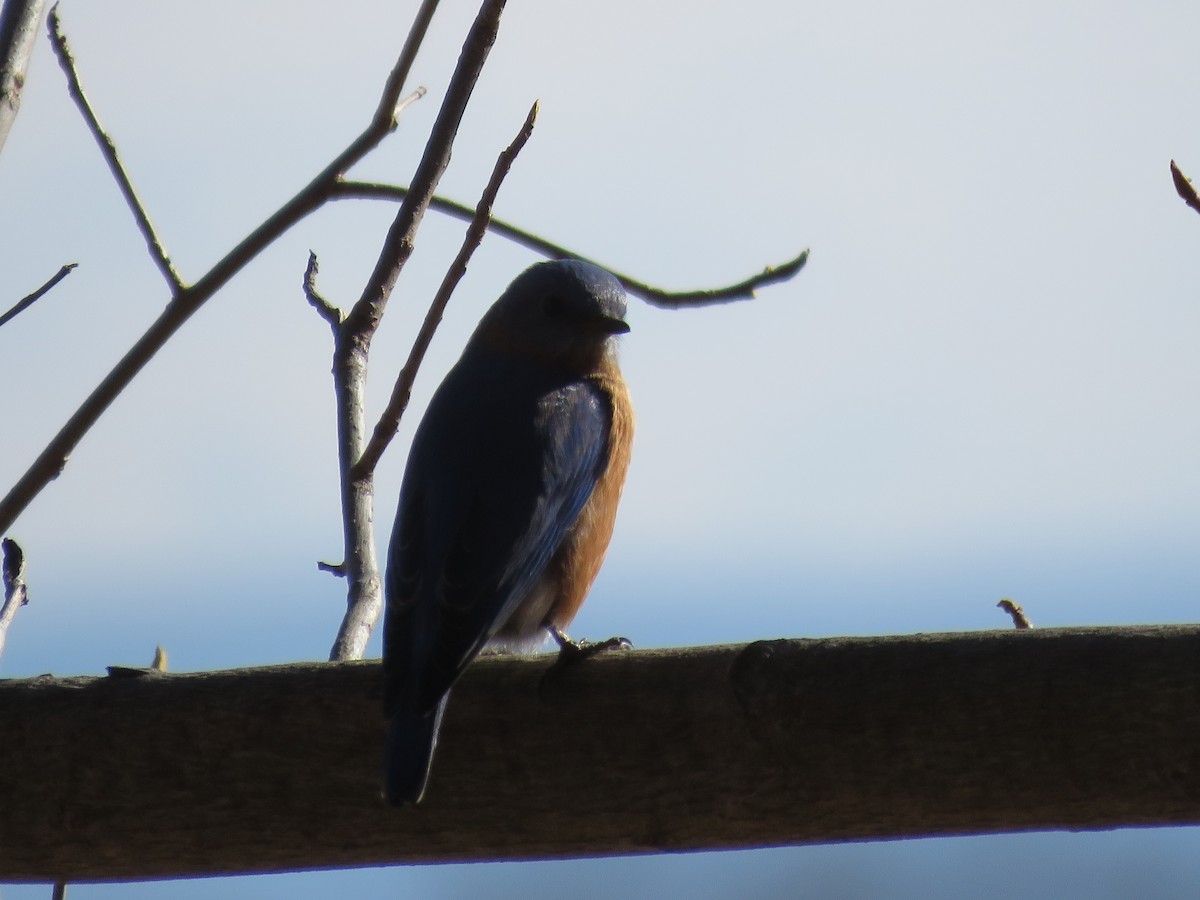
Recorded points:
(552, 305)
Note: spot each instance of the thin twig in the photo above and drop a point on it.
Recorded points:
(385, 429)
(390, 104)
(353, 343)
(18, 33)
(53, 458)
(16, 594)
(1184, 187)
(153, 243)
(38, 294)
(398, 244)
(742, 290)
(324, 308)
(310, 198)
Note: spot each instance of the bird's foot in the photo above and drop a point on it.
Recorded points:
(571, 652)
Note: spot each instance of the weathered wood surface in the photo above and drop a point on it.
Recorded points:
(770, 743)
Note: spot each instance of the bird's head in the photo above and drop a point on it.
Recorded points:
(564, 313)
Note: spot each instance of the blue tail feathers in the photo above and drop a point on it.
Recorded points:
(411, 738)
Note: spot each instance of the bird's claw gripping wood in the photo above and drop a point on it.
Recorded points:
(571, 652)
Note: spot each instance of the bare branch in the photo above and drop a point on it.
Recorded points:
(1184, 187)
(54, 457)
(384, 121)
(16, 594)
(742, 290)
(354, 335)
(324, 308)
(385, 429)
(153, 243)
(398, 245)
(38, 294)
(649, 751)
(18, 33)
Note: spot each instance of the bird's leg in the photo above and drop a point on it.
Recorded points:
(570, 651)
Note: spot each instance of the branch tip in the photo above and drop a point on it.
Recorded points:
(1184, 187)
(29, 300)
(324, 308)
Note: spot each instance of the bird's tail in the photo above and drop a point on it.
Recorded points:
(411, 737)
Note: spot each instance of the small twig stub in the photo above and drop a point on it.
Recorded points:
(16, 594)
(14, 567)
(1019, 619)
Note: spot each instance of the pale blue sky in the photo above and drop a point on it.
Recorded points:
(983, 385)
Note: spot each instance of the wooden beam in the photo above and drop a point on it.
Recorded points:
(770, 743)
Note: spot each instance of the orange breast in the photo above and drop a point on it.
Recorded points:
(578, 561)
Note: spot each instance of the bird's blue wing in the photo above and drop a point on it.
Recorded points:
(495, 479)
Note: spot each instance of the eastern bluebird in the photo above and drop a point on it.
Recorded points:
(509, 498)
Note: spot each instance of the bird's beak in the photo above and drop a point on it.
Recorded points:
(612, 325)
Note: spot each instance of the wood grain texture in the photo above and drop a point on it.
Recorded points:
(770, 743)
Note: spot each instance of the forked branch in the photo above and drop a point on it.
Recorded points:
(385, 428)
(153, 242)
(354, 334)
(187, 299)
